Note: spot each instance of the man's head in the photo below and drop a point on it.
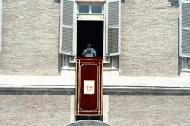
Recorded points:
(89, 45)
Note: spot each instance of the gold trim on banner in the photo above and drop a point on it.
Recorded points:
(79, 64)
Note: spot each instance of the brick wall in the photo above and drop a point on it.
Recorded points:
(149, 38)
(30, 37)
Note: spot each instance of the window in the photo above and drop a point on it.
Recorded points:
(72, 12)
(83, 8)
(90, 8)
(96, 8)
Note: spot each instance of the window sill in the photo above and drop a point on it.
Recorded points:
(185, 73)
(185, 70)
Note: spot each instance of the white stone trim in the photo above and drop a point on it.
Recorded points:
(90, 17)
(72, 116)
(90, 1)
(68, 81)
(105, 108)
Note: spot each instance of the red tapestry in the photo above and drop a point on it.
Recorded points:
(89, 86)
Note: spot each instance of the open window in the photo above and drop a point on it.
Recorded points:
(90, 32)
(100, 19)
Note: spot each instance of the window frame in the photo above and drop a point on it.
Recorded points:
(105, 13)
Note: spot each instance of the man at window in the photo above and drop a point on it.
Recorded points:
(89, 51)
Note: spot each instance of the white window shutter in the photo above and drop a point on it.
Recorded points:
(113, 27)
(66, 27)
(1, 15)
(185, 28)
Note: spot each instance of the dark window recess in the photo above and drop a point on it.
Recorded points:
(89, 118)
(90, 32)
(56, 1)
(185, 63)
(174, 3)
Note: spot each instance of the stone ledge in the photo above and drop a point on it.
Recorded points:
(106, 91)
(108, 81)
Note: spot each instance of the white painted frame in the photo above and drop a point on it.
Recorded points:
(90, 17)
(90, 7)
(75, 29)
(104, 31)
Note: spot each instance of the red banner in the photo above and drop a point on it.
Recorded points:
(89, 86)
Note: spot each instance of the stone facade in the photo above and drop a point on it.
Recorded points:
(149, 110)
(149, 43)
(35, 110)
(149, 38)
(30, 37)
(123, 110)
